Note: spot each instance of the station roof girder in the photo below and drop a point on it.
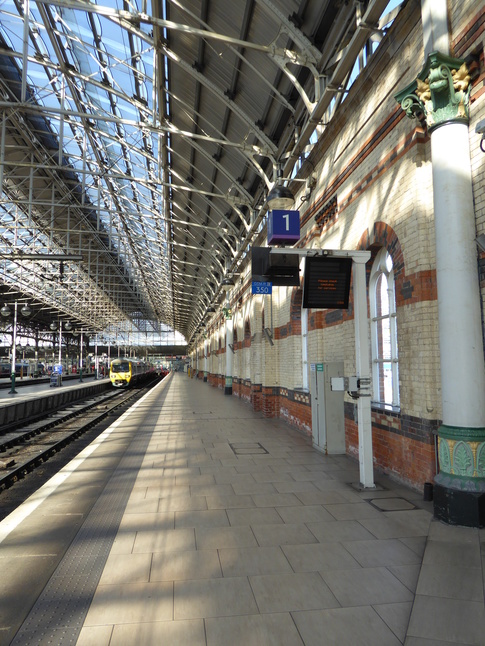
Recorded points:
(143, 137)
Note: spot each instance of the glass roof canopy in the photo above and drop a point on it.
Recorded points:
(138, 142)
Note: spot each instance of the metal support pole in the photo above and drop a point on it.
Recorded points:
(81, 359)
(59, 376)
(12, 390)
(96, 357)
(362, 365)
(229, 342)
(205, 359)
(362, 352)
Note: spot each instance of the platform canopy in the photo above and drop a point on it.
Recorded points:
(139, 141)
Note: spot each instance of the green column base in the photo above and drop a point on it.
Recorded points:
(459, 491)
(228, 386)
(455, 507)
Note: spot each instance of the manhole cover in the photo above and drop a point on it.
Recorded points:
(391, 504)
(248, 448)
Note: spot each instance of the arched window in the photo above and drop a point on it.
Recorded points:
(385, 369)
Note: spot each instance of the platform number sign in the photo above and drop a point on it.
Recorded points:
(283, 227)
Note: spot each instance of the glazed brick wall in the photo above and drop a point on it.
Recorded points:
(419, 362)
(470, 25)
(241, 388)
(468, 29)
(403, 446)
(295, 409)
(292, 406)
(248, 392)
(465, 19)
(218, 381)
(269, 401)
(256, 398)
(382, 182)
(236, 387)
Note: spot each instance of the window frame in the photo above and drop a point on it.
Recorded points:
(381, 267)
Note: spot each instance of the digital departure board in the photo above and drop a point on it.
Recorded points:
(326, 282)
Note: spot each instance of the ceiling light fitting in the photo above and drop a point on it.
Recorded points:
(227, 284)
(280, 196)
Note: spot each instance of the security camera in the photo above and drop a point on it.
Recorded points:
(480, 127)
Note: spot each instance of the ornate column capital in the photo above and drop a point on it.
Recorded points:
(440, 94)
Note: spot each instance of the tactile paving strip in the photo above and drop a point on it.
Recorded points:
(59, 613)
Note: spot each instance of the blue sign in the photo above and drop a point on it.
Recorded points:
(259, 287)
(283, 227)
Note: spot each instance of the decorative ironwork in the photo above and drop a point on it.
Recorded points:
(440, 94)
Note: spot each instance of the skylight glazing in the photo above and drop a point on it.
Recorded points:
(142, 138)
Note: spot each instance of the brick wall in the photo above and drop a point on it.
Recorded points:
(374, 190)
(295, 409)
(256, 396)
(241, 388)
(403, 446)
(269, 401)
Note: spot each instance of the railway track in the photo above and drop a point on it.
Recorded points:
(28, 446)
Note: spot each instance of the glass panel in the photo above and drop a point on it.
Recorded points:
(383, 340)
(382, 296)
(120, 366)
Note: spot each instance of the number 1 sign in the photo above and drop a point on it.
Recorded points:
(283, 227)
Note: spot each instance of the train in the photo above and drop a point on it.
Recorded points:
(27, 368)
(126, 372)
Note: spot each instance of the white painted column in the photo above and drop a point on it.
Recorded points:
(362, 364)
(461, 344)
(434, 15)
(459, 492)
(205, 359)
(229, 341)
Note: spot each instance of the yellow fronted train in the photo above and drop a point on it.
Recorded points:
(126, 372)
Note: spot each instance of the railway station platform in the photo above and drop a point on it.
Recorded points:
(192, 520)
(32, 387)
(33, 400)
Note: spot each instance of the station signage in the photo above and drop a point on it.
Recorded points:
(326, 283)
(283, 227)
(260, 287)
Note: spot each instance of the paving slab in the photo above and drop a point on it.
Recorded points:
(235, 531)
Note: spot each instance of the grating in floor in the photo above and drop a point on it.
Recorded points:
(248, 448)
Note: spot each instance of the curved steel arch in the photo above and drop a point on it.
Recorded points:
(121, 133)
